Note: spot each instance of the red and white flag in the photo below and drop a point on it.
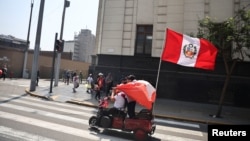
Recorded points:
(188, 51)
(141, 91)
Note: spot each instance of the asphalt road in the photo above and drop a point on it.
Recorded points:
(23, 117)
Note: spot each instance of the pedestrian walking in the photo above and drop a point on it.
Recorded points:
(80, 77)
(68, 77)
(65, 76)
(90, 83)
(75, 82)
(108, 84)
(37, 77)
(99, 86)
(1, 72)
(4, 72)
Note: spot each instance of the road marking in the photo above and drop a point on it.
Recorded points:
(59, 104)
(51, 107)
(12, 134)
(23, 85)
(177, 123)
(56, 127)
(45, 113)
(179, 130)
(85, 122)
(172, 138)
(24, 100)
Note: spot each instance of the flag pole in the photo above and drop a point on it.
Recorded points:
(158, 73)
(159, 68)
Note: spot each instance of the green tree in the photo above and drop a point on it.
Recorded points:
(229, 36)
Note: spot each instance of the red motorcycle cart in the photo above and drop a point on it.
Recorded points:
(142, 126)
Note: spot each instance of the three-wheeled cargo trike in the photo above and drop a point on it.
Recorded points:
(142, 125)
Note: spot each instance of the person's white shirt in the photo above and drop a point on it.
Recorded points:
(119, 100)
(89, 80)
(75, 80)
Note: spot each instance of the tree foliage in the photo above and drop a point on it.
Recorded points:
(233, 32)
(229, 36)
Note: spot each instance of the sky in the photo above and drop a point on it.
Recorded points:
(15, 16)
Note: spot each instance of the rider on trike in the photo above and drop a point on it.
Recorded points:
(142, 124)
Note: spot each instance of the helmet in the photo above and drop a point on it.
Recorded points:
(100, 74)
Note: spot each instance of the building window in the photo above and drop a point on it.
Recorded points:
(143, 44)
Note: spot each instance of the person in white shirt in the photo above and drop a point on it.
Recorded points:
(90, 84)
(75, 82)
(119, 99)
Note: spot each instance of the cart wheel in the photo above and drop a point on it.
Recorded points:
(92, 122)
(140, 135)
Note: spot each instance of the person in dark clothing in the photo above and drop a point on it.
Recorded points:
(37, 77)
(99, 86)
(108, 84)
(4, 72)
(131, 103)
(68, 76)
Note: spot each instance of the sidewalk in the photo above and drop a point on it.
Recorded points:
(163, 108)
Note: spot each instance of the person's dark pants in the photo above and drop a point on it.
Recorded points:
(67, 80)
(131, 109)
(114, 112)
(37, 80)
(108, 88)
(4, 76)
(98, 95)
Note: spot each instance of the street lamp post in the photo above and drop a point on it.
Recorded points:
(36, 50)
(66, 4)
(28, 42)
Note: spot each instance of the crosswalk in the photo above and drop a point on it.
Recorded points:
(25, 118)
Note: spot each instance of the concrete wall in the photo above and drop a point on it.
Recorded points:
(16, 60)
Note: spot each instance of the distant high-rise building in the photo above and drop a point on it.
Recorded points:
(84, 45)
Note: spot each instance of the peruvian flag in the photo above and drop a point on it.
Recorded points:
(141, 91)
(187, 51)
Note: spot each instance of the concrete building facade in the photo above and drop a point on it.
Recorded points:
(129, 40)
(69, 46)
(118, 20)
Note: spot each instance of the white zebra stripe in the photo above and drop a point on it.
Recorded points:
(51, 107)
(13, 134)
(85, 122)
(56, 127)
(178, 123)
(69, 118)
(172, 138)
(44, 113)
(57, 103)
(82, 121)
(179, 130)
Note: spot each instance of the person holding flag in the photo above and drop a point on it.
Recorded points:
(131, 103)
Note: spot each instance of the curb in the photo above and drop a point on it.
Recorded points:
(35, 95)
